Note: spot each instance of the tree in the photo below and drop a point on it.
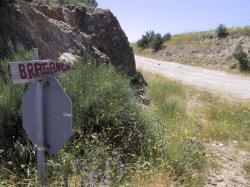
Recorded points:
(150, 39)
(221, 31)
(166, 37)
(91, 3)
(142, 43)
(156, 42)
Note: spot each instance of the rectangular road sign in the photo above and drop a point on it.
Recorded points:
(27, 71)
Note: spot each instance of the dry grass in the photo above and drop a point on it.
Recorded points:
(202, 49)
(220, 117)
(153, 180)
(196, 115)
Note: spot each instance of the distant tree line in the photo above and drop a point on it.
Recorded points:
(90, 3)
(153, 40)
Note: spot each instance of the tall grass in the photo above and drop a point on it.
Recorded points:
(178, 149)
(110, 129)
(114, 141)
(190, 118)
(226, 120)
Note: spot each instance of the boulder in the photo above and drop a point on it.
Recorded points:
(91, 33)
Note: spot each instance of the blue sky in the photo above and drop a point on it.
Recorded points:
(176, 16)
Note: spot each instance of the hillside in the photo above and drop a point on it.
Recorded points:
(90, 33)
(202, 49)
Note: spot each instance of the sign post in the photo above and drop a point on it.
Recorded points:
(40, 148)
(46, 108)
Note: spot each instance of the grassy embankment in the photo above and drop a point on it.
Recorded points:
(203, 49)
(113, 137)
(116, 142)
(199, 117)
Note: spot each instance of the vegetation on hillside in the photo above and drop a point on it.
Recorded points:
(194, 117)
(110, 129)
(204, 49)
(153, 40)
(113, 138)
(221, 31)
(242, 57)
(89, 3)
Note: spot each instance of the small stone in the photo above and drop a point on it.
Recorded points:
(220, 180)
(209, 181)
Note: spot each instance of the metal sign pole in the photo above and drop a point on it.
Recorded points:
(40, 152)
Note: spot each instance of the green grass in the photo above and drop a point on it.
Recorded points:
(115, 141)
(190, 37)
(218, 118)
(191, 117)
(113, 138)
(110, 130)
(227, 120)
(177, 147)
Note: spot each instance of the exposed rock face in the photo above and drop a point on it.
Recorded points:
(87, 32)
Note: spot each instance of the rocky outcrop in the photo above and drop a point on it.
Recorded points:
(91, 33)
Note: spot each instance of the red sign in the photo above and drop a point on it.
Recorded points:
(27, 71)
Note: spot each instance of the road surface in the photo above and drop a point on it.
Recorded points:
(219, 81)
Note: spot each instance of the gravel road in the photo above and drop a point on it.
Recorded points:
(219, 81)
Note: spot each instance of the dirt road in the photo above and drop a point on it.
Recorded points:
(219, 81)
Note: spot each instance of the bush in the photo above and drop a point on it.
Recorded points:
(166, 37)
(221, 31)
(150, 40)
(242, 57)
(108, 124)
(105, 105)
(142, 43)
(156, 42)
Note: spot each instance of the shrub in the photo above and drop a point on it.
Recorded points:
(108, 122)
(166, 37)
(221, 31)
(105, 105)
(150, 40)
(156, 42)
(142, 43)
(242, 57)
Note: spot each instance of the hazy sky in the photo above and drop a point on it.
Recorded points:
(176, 16)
